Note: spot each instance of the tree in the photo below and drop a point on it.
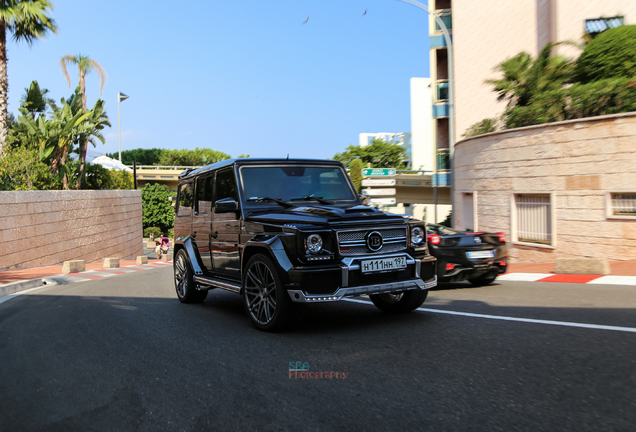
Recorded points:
(380, 154)
(27, 20)
(34, 99)
(196, 157)
(355, 172)
(141, 156)
(57, 137)
(156, 208)
(612, 54)
(85, 65)
(524, 78)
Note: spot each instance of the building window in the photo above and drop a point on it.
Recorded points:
(599, 25)
(532, 219)
(621, 205)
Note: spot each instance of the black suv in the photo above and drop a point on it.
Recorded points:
(284, 231)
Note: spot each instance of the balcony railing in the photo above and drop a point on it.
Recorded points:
(440, 110)
(437, 41)
(443, 159)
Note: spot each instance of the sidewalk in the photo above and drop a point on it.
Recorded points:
(13, 281)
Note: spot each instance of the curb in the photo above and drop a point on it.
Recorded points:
(65, 279)
(569, 278)
(14, 287)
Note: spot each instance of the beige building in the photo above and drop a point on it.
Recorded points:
(488, 32)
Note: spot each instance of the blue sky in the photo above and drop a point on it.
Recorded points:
(241, 77)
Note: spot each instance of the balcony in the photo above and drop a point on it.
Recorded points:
(443, 159)
(442, 90)
(437, 41)
(441, 179)
(440, 110)
(447, 19)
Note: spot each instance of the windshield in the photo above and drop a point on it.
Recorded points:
(298, 183)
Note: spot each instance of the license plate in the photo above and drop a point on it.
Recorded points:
(480, 254)
(383, 265)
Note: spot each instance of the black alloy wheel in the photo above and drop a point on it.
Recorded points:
(399, 302)
(265, 298)
(184, 281)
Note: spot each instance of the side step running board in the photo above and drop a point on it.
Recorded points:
(218, 283)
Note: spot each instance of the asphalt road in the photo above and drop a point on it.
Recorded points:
(123, 354)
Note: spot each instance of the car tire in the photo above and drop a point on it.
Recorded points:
(400, 302)
(184, 284)
(265, 298)
(483, 280)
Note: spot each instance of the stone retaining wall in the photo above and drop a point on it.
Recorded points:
(577, 162)
(42, 228)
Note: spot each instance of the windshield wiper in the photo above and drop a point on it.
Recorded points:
(312, 197)
(276, 200)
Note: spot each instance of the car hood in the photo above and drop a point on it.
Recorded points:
(323, 215)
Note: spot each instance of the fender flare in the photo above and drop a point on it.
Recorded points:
(274, 248)
(193, 256)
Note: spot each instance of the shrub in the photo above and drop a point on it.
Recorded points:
(21, 169)
(155, 231)
(609, 96)
(612, 54)
(485, 126)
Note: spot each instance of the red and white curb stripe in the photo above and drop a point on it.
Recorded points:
(563, 278)
(102, 273)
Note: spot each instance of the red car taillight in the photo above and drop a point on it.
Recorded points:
(450, 266)
(434, 239)
(502, 237)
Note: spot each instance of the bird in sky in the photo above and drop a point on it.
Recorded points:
(306, 21)
(365, 12)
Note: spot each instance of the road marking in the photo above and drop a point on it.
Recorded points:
(525, 320)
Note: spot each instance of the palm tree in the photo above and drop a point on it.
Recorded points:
(524, 78)
(34, 99)
(85, 64)
(27, 20)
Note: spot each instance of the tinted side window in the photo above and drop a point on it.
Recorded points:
(226, 185)
(184, 207)
(205, 194)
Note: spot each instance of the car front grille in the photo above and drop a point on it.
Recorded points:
(352, 243)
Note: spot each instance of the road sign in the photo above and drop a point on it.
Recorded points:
(378, 182)
(378, 172)
(382, 201)
(378, 192)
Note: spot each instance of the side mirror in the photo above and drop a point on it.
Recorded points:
(226, 205)
(364, 199)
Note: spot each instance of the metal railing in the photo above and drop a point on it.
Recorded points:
(624, 204)
(533, 218)
(164, 167)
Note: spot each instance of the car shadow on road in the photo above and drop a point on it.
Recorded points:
(333, 317)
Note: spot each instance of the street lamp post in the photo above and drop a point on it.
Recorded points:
(120, 97)
(451, 92)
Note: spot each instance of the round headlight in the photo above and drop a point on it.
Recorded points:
(314, 243)
(417, 235)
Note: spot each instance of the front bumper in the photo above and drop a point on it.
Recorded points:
(345, 279)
